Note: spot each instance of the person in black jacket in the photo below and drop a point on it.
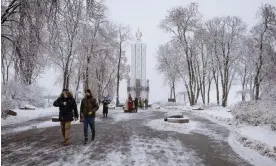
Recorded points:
(146, 103)
(68, 111)
(136, 102)
(105, 107)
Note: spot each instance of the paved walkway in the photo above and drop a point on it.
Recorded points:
(127, 142)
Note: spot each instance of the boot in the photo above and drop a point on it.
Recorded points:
(93, 137)
(85, 140)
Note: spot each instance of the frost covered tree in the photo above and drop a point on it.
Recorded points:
(168, 65)
(263, 34)
(244, 66)
(64, 38)
(262, 49)
(74, 36)
(123, 36)
(227, 33)
(182, 22)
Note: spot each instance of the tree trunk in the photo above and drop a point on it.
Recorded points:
(118, 77)
(174, 92)
(68, 81)
(208, 93)
(78, 85)
(257, 91)
(217, 85)
(86, 86)
(64, 79)
(243, 85)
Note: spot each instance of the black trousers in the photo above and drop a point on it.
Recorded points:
(105, 114)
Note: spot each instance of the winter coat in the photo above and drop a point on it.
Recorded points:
(136, 102)
(146, 102)
(67, 111)
(126, 105)
(88, 108)
(105, 105)
(130, 103)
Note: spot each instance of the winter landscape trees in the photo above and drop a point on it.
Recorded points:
(75, 37)
(219, 51)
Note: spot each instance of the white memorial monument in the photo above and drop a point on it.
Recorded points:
(138, 85)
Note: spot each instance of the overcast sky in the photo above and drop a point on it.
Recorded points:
(146, 14)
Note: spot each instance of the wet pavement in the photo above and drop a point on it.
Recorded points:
(126, 142)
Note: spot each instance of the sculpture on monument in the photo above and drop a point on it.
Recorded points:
(138, 84)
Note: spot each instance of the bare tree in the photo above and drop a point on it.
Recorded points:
(182, 22)
(124, 35)
(65, 38)
(262, 33)
(168, 64)
(228, 34)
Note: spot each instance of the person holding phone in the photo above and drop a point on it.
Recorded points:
(88, 109)
(68, 111)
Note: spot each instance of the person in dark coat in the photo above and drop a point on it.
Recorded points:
(68, 111)
(130, 103)
(136, 103)
(105, 103)
(88, 109)
(146, 103)
(140, 102)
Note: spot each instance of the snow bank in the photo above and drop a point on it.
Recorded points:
(258, 138)
(217, 114)
(249, 154)
(262, 133)
(26, 115)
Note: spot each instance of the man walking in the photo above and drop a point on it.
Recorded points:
(67, 105)
(88, 109)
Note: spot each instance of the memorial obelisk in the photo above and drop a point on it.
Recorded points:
(138, 85)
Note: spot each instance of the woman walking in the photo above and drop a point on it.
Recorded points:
(67, 110)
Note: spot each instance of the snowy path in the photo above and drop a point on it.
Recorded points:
(129, 141)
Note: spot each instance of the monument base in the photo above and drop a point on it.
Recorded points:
(171, 100)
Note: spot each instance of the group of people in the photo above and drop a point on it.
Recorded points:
(68, 112)
(136, 103)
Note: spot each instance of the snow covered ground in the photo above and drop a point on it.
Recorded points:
(259, 138)
(26, 115)
(44, 124)
(144, 153)
(119, 115)
(160, 124)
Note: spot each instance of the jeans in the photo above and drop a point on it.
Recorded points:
(91, 122)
